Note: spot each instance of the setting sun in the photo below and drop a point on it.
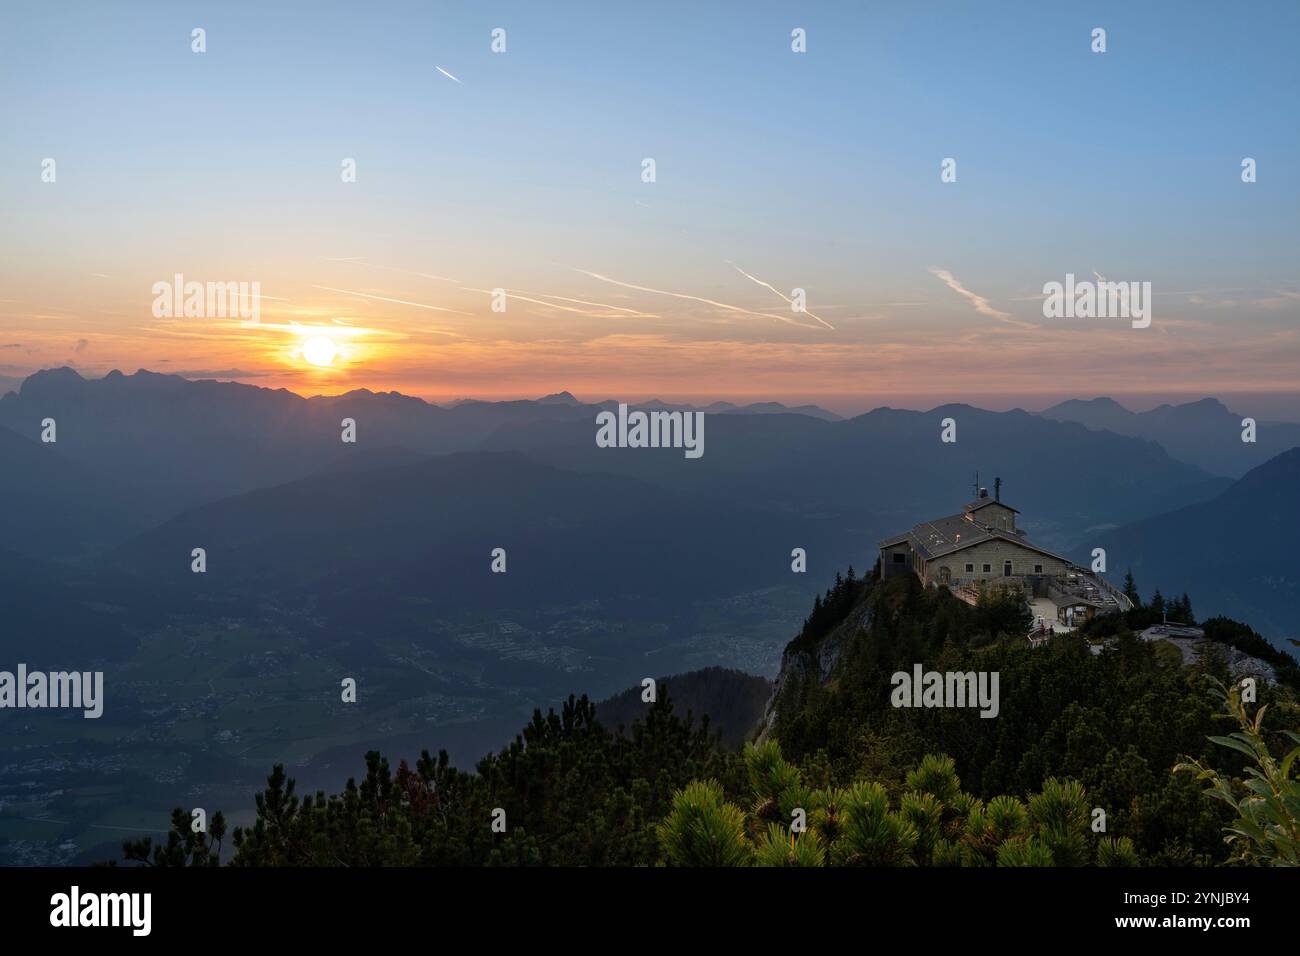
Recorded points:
(319, 350)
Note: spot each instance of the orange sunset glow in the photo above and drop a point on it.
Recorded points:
(443, 342)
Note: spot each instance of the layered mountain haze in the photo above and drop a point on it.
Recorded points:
(172, 443)
(374, 561)
(176, 444)
(882, 470)
(53, 506)
(1205, 433)
(180, 443)
(428, 530)
(261, 479)
(1235, 553)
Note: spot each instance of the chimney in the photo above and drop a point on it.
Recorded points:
(984, 492)
(997, 489)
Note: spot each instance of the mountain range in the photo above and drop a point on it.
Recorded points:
(1235, 554)
(148, 466)
(374, 560)
(1204, 433)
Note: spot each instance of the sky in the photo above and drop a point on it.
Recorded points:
(774, 171)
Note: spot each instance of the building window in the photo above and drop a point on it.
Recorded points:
(900, 558)
(1006, 569)
(988, 568)
(970, 569)
(1038, 569)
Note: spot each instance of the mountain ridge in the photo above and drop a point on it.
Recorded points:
(1204, 432)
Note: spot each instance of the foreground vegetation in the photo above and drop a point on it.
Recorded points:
(1077, 769)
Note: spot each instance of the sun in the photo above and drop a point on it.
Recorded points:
(319, 350)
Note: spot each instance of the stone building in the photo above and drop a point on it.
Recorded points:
(979, 546)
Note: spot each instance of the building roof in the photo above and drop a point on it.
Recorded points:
(979, 503)
(942, 536)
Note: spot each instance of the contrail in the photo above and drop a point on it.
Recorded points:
(694, 298)
(418, 305)
(602, 305)
(446, 74)
(520, 294)
(563, 308)
(768, 285)
(361, 261)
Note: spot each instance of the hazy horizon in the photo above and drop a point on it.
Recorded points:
(1268, 406)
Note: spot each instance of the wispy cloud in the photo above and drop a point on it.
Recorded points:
(981, 303)
(1280, 298)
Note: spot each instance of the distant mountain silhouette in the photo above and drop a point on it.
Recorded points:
(776, 408)
(179, 444)
(389, 456)
(349, 539)
(1205, 433)
(886, 470)
(175, 444)
(558, 398)
(730, 408)
(1234, 554)
(53, 507)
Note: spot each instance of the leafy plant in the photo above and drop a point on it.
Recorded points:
(1267, 801)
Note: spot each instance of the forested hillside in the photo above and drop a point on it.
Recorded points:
(732, 700)
(842, 777)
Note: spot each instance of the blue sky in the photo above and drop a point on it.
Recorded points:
(816, 170)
